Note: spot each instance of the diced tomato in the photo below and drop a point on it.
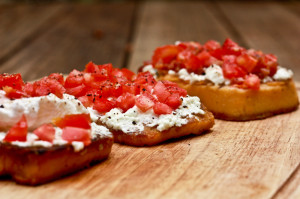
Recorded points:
(28, 89)
(18, 132)
(46, 132)
(252, 81)
(144, 103)
(77, 91)
(58, 77)
(161, 108)
(246, 61)
(75, 120)
(175, 89)
(109, 89)
(161, 91)
(91, 68)
(130, 88)
(85, 101)
(103, 105)
(190, 46)
(126, 101)
(230, 68)
(145, 78)
(75, 78)
(15, 81)
(13, 93)
(165, 54)
(212, 45)
(270, 61)
(194, 63)
(47, 85)
(174, 101)
(231, 48)
(71, 134)
(128, 74)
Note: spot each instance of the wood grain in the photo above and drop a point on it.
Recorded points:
(234, 160)
(161, 23)
(267, 26)
(20, 24)
(82, 33)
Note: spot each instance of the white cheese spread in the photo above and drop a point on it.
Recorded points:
(134, 120)
(282, 74)
(37, 110)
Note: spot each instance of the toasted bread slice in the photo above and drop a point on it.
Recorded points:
(36, 165)
(151, 136)
(232, 103)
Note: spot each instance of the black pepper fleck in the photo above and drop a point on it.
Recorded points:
(184, 106)
(109, 117)
(1, 106)
(89, 95)
(134, 122)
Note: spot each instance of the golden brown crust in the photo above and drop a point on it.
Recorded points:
(231, 103)
(151, 136)
(37, 165)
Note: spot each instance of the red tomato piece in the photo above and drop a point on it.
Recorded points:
(231, 48)
(165, 54)
(18, 132)
(13, 93)
(46, 132)
(231, 69)
(58, 77)
(103, 105)
(144, 103)
(145, 78)
(75, 78)
(161, 108)
(161, 91)
(174, 101)
(46, 85)
(178, 90)
(91, 68)
(85, 101)
(28, 89)
(77, 91)
(126, 101)
(270, 62)
(71, 134)
(252, 81)
(76, 120)
(131, 88)
(212, 45)
(15, 81)
(191, 46)
(247, 62)
(128, 74)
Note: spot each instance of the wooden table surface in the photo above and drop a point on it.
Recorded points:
(257, 159)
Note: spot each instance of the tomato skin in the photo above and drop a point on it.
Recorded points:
(145, 78)
(231, 69)
(46, 132)
(212, 45)
(75, 120)
(165, 54)
(75, 78)
(231, 48)
(126, 101)
(48, 85)
(18, 132)
(58, 77)
(174, 101)
(161, 92)
(103, 105)
(144, 103)
(128, 74)
(15, 81)
(13, 93)
(71, 134)
(161, 108)
(247, 62)
(252, 81)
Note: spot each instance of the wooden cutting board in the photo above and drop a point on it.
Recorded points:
(256, 159)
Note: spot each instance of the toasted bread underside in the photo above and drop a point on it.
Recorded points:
(236, 104)
(151, 136)
(37, 165)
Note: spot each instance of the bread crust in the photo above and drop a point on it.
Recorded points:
(151, 136)
(236, 104)
(37, 165)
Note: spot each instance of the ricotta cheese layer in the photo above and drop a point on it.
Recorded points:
(38, 110)
(134, 120)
